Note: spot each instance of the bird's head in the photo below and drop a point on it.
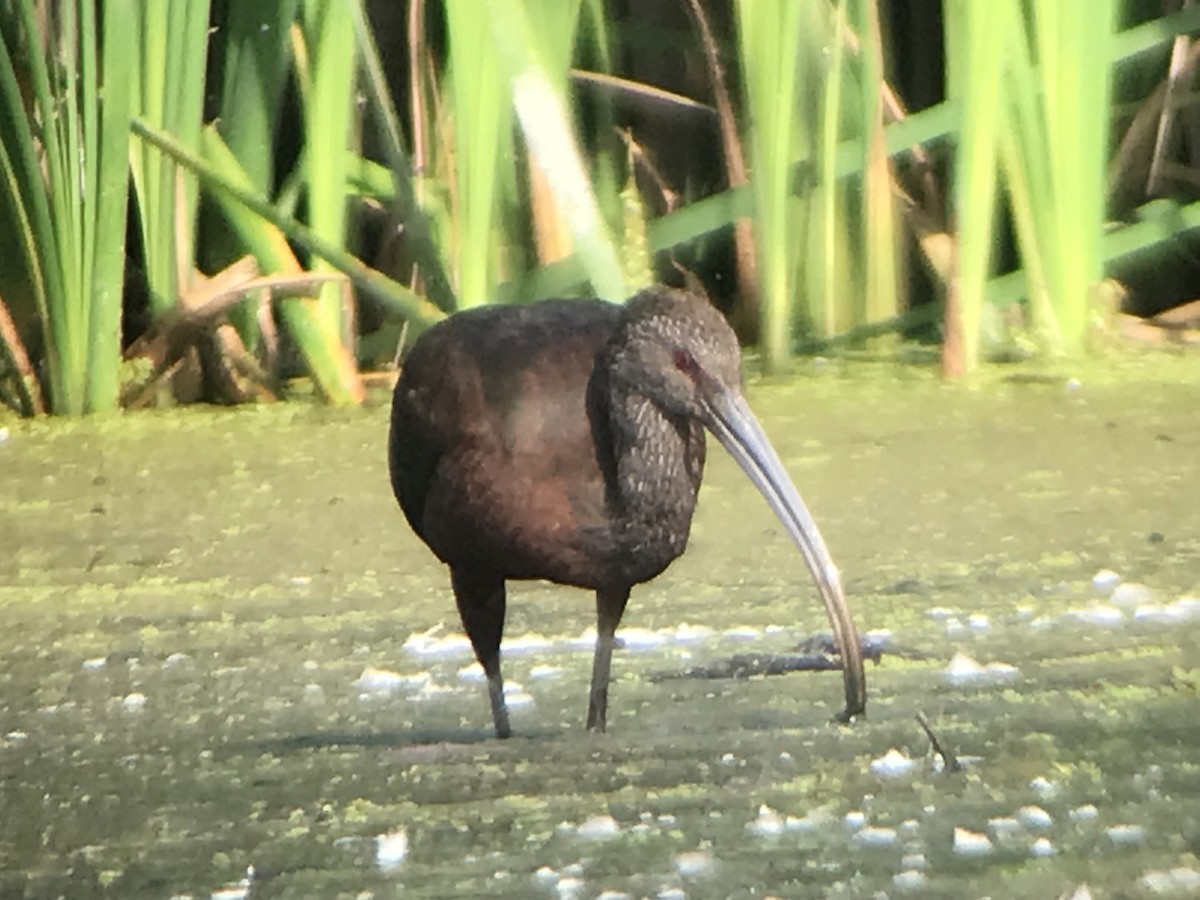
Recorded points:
(677, 351)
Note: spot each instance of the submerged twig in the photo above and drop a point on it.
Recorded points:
(816, 654)
(950, 762)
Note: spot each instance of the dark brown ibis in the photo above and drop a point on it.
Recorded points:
(564, 441)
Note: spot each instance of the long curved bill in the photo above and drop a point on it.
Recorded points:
(735, 426)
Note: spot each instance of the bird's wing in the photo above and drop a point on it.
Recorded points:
(492, 450)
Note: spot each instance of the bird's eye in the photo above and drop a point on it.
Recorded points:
(686, 363)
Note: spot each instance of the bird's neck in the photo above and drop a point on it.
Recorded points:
(653, 481)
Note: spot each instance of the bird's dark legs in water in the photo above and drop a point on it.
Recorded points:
(610, 606)
(481, 601)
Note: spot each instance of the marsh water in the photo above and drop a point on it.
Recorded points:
(228, 669)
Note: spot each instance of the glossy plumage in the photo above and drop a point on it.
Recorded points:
(564, 441)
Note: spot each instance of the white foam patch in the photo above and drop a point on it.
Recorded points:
(743, 632)
(585, 639)
(767, 824)
(1085, 813)
(391, 849)
(812, 820)
(1097, 614)
(1170, 614)
(1130, 593)
(1189, 604)
(892, 764)
(1180, 882)
(598, 828)
(1042, 849)
(1105, 581)
(1044, 788)
(909, 880)
(694, 863)
(516, 697)
(237, 890)
(432, 643)
(1004, 826)
(875, 836)
(472, 672)
(963, 670)
(686, 632)
(971, 843)
(541, 672)
(385, 681)
(1126, 834)
(1034, 817)
(569, 887)
(642, 638)
(532, 642)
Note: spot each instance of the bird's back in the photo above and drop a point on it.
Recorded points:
(492, 452)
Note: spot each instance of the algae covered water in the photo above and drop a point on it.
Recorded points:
(230, 670)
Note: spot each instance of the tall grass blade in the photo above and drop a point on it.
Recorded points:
(542, 112)
(1054, 153)
(481, 115)
(316, 333)
(404, 194)
(254, 58)
(105, 236)
(770, 39)
(553, 24)
(1073, 42)
(976, 36)
(233, 193)
(64, 186)
(823, 303)
(169, 79)
(328, 110)
(883, 296)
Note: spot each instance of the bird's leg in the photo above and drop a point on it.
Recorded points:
(610, 606)
(481, 603)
